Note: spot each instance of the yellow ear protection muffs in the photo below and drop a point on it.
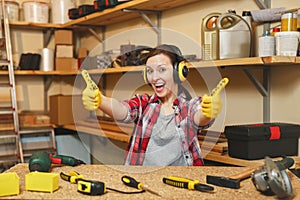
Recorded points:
(180, 71)
(180, 66)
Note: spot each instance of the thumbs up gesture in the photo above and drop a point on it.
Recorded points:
(91, 95)
(212, 105)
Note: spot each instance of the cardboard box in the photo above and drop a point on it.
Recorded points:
(66, 109)
(63, 36)
(66, 64)
(64, 51)
(255, 141)
(82, 52)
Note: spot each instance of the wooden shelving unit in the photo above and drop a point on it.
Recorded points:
(117, 14)
(110, 15)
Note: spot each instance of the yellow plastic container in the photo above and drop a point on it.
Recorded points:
(9, 184)
(41, 181)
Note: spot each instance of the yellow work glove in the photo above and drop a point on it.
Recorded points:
(211, 105)
(91, 95)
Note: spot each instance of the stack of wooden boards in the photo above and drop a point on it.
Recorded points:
(212, 141)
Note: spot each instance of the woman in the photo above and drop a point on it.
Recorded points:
(166, 122)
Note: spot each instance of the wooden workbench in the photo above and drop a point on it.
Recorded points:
(151, 177)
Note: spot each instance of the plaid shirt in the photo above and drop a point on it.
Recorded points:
(144, 111)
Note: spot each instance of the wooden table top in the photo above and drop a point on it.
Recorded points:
(149, 176)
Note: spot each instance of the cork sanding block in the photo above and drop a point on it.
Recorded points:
(41, 181)
(9, 184)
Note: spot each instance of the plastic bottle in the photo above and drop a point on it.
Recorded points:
(289, 22)
(274, 31)
(248, 17)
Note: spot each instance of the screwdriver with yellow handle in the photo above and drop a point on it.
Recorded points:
(187, 183)
(131, 182)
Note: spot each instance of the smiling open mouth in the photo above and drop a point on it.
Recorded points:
(159, 87)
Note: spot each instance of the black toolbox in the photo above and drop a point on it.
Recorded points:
(255, 141)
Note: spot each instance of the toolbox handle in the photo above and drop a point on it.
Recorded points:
(274, 133)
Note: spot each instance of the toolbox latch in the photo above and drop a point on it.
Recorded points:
(274, 133)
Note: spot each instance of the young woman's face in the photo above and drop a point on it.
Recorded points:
(159, 71)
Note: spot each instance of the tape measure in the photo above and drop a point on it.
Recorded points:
(91, 187)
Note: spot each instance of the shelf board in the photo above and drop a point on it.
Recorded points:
(280, 60)
(235, 62)
(229, 62)
(41, 73)
(116, 14)
(31, 25)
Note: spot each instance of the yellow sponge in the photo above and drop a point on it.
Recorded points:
(9, 184)
(41, 181)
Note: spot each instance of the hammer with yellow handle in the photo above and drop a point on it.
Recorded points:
(212, 105)
(91, 95)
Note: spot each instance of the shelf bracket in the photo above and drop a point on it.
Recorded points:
(47, 84)
(94, 33)
(261, 4)
(156, 27)
(47, 35)
(264, 89)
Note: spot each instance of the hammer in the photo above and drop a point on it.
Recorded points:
(233, 181)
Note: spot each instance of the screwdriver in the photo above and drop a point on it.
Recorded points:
(187, 183)
(131, 182)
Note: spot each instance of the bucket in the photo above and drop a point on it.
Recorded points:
(287, 43)
(47, 62)
(60, 10)
(36, 11)
(12, 8)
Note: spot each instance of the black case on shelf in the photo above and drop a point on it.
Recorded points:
(84, 10)
(255, 141)
(30, 61)
(73, 13)
(103, 4)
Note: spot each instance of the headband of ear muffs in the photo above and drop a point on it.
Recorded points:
(180, 68)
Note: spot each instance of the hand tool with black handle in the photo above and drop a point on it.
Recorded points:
(234, 180)
(131, 182)
(187, 183)
(91, 187)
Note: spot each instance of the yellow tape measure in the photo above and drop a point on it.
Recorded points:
(222, 84)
